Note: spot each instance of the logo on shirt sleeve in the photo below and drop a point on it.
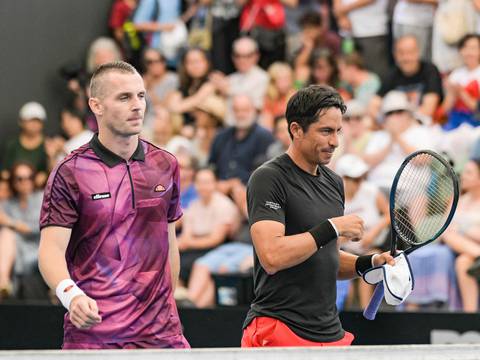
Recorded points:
(159, 188)
(101, 196)
(272, 205)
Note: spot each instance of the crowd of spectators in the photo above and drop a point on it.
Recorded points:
(219, 74)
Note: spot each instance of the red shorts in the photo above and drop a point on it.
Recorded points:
(265, 331)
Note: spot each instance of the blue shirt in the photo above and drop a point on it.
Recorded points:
(187, 196)
(234, 158)
(168, 12)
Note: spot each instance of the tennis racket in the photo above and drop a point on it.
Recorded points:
(423, 199)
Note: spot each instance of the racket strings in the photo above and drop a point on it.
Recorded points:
(423, 199)
(422, 206)
(418, 205)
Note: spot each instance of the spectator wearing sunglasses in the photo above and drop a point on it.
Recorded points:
(19, 237)
(159, 82)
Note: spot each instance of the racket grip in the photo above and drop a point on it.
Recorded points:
(375, 302)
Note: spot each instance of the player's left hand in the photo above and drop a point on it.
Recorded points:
(383, 258)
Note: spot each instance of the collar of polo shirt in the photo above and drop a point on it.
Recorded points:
(110, 158)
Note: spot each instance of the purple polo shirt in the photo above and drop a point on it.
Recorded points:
(118, 251)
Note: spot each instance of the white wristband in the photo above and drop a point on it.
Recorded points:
(66, 290)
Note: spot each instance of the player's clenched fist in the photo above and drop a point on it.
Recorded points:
(84, 312)
(349, 226)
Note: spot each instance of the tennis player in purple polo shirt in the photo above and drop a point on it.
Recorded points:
(108, 245)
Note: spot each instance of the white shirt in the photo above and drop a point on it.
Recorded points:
(363, 204)
(382, 175)
(463, 76)
(78, 140)
(370, 20)
(253, 83)
(408, 13)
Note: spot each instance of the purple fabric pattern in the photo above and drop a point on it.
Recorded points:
(118, 251)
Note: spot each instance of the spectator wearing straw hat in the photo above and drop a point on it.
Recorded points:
(208, 118)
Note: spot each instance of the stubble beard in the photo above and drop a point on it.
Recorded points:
(123, 132)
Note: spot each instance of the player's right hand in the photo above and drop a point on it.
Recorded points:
(84, 312)
(349, 226)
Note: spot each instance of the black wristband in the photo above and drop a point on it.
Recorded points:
(363, 263)
(323, 233)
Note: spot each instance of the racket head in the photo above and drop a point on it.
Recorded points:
(423, 199)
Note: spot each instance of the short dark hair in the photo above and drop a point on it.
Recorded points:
(75, 113)
(276, 120)
(307, 104)
(144, 65)
(464, 39)
(310, 19)
(115, 66)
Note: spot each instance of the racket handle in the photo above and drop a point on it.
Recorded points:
(375, 302)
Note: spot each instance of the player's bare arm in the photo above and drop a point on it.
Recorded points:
(348, 263)
(53, 267)
(173, 254)
(277, 251)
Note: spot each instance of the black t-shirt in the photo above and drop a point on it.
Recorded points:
(303, 296)
(426, 80)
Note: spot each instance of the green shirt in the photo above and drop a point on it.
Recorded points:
(15, 152)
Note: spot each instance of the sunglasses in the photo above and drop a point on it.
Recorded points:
(153, 61)
(22, 178)
(245, 55)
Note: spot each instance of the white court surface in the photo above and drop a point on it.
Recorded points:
(400, 352)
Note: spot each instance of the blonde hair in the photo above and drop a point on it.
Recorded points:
(274, 71)
(96, 89)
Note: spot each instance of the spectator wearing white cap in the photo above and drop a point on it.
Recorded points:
(401, 135)
(367, 201)
(29, 145)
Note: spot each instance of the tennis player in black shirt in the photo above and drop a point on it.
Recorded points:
(295, 207)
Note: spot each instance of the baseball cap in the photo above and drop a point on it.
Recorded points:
(32, 110)
(395, 101)
(354, 108)
(351, 165)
